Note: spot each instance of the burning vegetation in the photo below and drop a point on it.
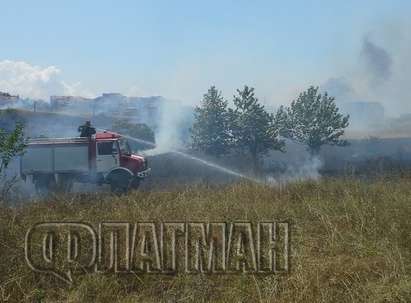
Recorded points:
(222, 140)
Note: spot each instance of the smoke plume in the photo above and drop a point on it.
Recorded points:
(379, 74)
(377, 62)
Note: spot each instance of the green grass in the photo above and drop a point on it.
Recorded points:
(350, 242)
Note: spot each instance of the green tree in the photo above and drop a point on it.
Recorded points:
(11, 144)
(210, 132)
(139, 131)
(314, 120)
(254, 130)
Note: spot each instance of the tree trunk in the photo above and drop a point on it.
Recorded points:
(314, 151)
(256, 166)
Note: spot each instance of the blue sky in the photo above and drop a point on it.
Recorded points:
(179, 48)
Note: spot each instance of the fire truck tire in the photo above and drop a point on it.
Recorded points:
(120, 181)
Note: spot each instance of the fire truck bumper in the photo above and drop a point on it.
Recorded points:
(144, 173)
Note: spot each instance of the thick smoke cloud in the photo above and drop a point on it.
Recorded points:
(31, 81)
(377, 61)
(379, 73)
(375, 67)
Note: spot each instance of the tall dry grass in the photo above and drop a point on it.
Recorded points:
(350, 242)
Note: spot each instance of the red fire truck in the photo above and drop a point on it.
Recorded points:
(104, 158)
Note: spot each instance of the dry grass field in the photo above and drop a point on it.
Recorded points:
(350, 242)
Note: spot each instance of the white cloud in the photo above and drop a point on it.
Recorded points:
(26, 80)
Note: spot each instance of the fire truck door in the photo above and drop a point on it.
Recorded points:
(107, 156)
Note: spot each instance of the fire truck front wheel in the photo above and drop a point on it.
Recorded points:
(120, 181)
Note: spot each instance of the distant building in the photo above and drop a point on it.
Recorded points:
(7, 99)
(113, 95)
(135, 109)
(146, 109)
(59, 103)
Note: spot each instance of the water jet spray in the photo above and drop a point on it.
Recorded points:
(188, 156)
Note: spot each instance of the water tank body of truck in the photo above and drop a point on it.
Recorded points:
(103, 158)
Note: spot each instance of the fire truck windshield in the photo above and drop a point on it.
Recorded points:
(124, 146)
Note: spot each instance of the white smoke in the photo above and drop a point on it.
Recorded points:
(35, 82)
(299, 166)
(169, 131)
(308, 170)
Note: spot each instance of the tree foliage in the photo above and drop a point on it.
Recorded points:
(211, 130)
(253, 128)
(11, 144)
(314, 120)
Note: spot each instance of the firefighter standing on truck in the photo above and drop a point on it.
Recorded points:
(86, 130)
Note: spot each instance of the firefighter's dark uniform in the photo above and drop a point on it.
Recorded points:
(86, 130)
